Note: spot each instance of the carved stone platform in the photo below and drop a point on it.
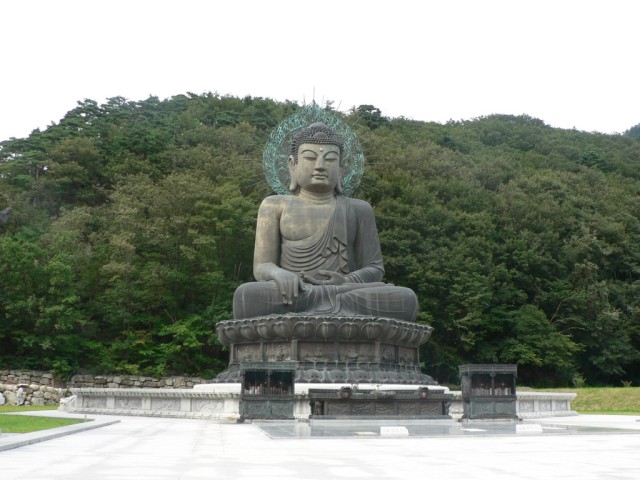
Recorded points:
(327, 349)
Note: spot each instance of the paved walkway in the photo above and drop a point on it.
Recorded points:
(150, 448)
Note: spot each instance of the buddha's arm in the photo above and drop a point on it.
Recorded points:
(365, 275)
(367, 252)
(266, 255)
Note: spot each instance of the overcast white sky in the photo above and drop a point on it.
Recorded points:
(569, 63)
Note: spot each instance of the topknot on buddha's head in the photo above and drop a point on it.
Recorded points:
(317, 134)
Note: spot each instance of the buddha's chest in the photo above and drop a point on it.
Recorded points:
(300, 222)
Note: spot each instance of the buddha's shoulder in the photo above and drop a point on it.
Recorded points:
(361, 206)
(275, 201)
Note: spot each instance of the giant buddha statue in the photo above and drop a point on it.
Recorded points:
(319, 306)
(317, 251)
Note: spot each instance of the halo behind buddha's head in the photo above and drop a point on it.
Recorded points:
(282, 144)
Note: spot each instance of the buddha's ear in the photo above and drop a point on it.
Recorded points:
(339, 184)
(293, 186)
(338, 188)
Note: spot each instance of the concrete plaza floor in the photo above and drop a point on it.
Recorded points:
(582, 447)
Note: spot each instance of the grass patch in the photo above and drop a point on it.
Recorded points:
(26, 408)
(605, 400)
(25, 424)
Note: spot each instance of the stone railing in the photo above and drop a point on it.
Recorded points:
(529, 404)
(222, 402)
(43, 388)
(543, 404)
(157, 402)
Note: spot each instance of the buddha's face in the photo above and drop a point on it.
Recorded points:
(318, 167)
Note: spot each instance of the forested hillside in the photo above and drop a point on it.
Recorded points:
(133, 222)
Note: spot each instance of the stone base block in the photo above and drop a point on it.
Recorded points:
(327, 349)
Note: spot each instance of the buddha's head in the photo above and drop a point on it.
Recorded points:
(315, 160)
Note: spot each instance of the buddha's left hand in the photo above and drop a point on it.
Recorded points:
(332, 278)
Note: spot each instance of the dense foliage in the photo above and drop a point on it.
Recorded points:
(133, 223)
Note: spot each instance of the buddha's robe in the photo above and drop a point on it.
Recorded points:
(347, 244)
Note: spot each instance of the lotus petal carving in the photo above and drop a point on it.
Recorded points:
(314, 376)
(282, 329)
(338, 376)
(412, 336)
(349, 330)
(403, 333)
(424, 335)
(264, 330)
(327, 330)
(248, 331)
(361, 376)
(390, 331)
(222, 337)
(231, 332)
(372, 330)
(304, 329)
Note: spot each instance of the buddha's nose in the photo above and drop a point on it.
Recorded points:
(320, 164)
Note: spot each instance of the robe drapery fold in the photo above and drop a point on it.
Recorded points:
(325, 250)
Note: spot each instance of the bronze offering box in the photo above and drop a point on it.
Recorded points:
(489, 391)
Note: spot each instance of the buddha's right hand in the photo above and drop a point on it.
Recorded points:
(289, 283)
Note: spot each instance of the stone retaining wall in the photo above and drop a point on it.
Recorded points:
(40, 388)
(34, 394)
(132, 381)
(28, 377)
(43, 388)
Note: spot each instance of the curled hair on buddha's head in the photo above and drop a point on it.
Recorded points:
(317, 134)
